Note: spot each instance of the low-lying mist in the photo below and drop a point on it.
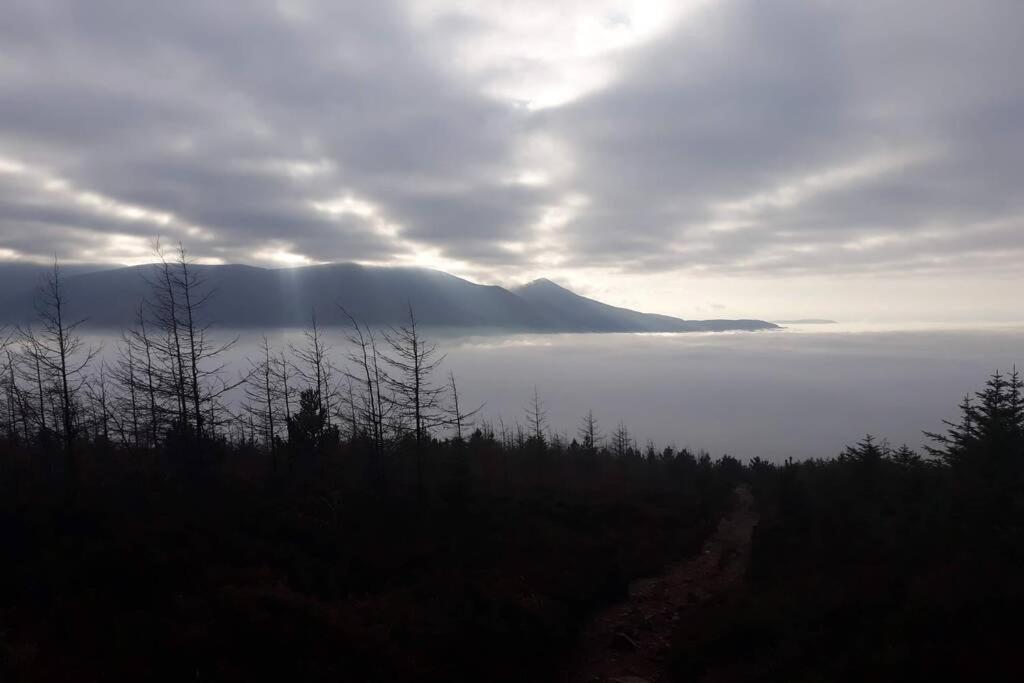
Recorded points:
(801, 392)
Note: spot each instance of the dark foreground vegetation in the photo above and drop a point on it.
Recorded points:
(158, 568)
(347, 519)
(341, 518)
(881, 565)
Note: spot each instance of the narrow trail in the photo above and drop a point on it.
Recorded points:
(629, 642)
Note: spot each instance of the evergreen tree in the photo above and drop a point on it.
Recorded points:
(867, 452)
(989, 437)
(308, 430)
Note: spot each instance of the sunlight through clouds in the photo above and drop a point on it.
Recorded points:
(60, 190)
(729, 140)
(281, 256)
(349, 205)
(540, 54)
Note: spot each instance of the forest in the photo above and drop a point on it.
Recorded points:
(352, 519)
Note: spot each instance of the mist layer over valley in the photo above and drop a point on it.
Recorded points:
(746, 388)
(799, 392)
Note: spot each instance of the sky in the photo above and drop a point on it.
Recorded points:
(735, 158)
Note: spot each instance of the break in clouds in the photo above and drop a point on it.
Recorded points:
(514, 139)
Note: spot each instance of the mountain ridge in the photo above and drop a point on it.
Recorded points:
(252, 296)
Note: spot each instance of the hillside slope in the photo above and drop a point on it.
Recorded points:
(251, 297)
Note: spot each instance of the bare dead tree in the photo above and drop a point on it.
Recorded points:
(97, 391)
(622, 441)
(17, 396)
(589, 434)
(164, 308)
(126, 374)
(537, 418)
(505, 434)
(191, 371)
(61, 356)
(282, 373)
(353, 411)
(188, 283)
(412, 361)
(364, 358)
(313, 363)
(10, 416)
(261, 397)
(149, 381)
(334, 378)
(30, 368)
(37, 364)
(520, 436)
(456, 417)
(220, 412)
(205, 384)
(7, 382)
(382, 405)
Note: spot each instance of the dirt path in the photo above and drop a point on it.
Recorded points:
(629, 642)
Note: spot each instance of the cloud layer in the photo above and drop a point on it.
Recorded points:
(515, 139)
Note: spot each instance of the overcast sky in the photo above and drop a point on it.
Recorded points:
(859, 160)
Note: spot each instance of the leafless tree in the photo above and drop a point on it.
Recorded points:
(505, 435)
(192, 371)
(352, 408)
(537, 418)
(367, 372)
(456, 417)
(164, 307)
(8, 383)
(126, 374)
(60, 357)
(313, 365)
(282, 374)
(204, 367)
(188, 283)
(30, 366)
(19, 403)
(589, 434)
(97, 391)
(622, 441)
(149, 378)
(261, 397)
(412, 362)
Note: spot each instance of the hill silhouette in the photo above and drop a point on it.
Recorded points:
(248, 297)
(560, 305)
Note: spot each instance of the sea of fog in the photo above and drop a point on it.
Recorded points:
(804, 391)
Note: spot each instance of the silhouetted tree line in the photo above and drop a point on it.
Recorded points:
(883, 563)
(310, 519)
(335, 510)
(167, 398)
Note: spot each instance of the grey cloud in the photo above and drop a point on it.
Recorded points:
(196, 109)
(182, 110)
(751, 96)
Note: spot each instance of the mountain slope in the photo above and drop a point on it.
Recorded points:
(558, 304)
(246, 296)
